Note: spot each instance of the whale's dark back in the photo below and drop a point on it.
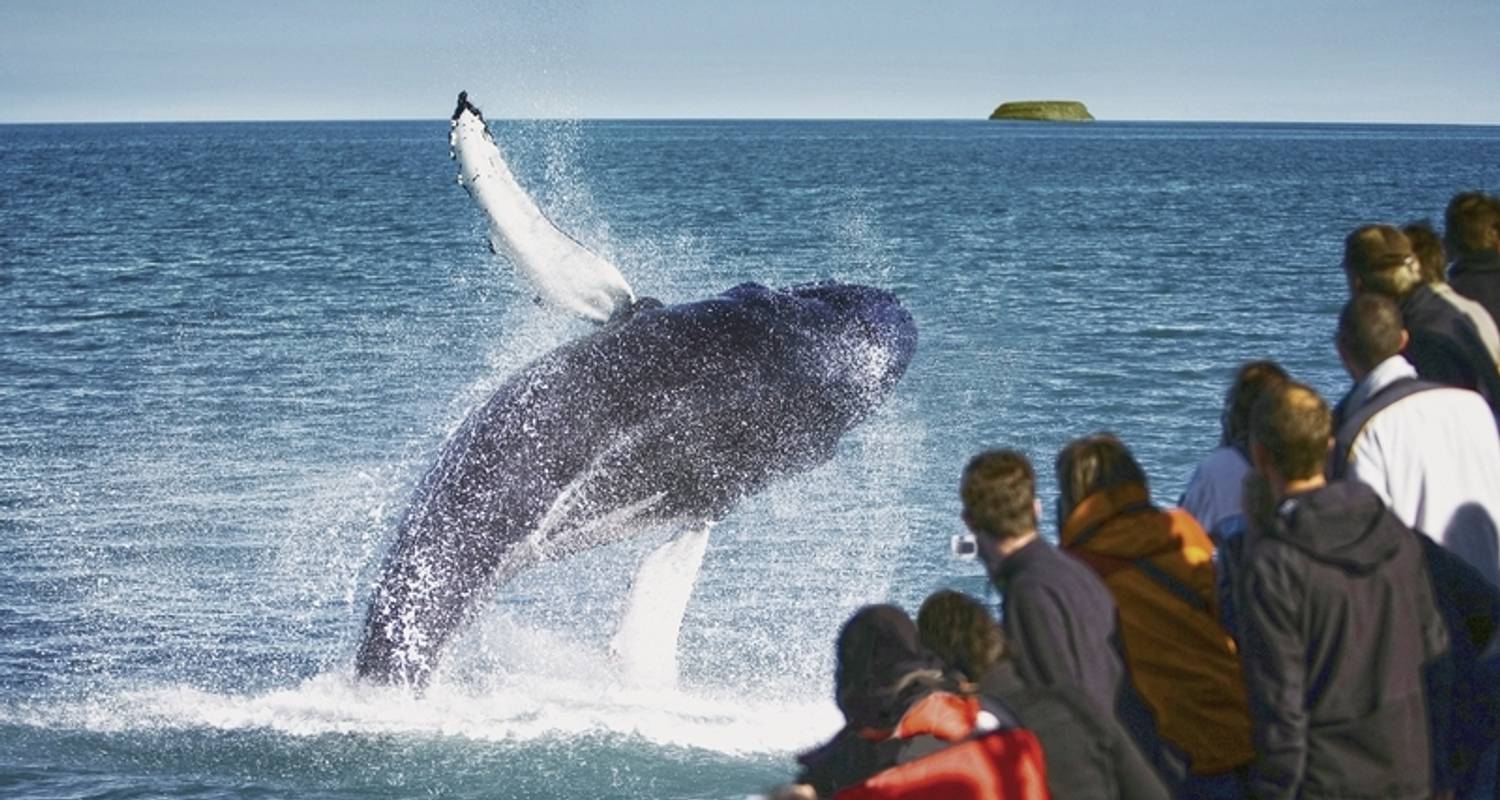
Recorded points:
(671, 414)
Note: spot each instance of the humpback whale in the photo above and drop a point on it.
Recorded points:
(665, 415)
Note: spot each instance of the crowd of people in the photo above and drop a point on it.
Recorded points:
(1316, 618)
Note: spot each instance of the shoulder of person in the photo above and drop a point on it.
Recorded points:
(1061, 700)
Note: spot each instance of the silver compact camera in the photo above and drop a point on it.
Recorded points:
(964, 546)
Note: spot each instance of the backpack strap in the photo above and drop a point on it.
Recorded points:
(1105, 566)
(1168, 581)
(1351, 426)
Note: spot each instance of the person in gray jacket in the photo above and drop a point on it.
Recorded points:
(1089, 756)
(1338, 619)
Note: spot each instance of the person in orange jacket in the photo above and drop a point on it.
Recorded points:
(1158, 565)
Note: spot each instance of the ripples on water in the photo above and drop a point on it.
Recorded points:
(229, 351)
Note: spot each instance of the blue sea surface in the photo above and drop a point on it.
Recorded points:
(229, 351)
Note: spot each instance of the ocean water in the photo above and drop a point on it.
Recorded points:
(229, 351)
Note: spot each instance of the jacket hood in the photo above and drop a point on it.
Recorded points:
(1120, 522)
(1343, 524)
(882, 667)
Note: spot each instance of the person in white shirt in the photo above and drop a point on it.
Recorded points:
(1431, 452)
(1213, 493)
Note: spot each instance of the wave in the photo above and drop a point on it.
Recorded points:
(513, 683)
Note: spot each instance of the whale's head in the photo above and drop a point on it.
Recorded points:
(866, 339)
(757, 383)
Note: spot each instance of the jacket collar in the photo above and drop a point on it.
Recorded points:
(1019, 561)
(1384, 374)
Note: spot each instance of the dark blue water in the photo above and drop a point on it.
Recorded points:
(227, 352)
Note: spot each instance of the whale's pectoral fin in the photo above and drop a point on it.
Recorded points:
(645, 643)
(568, 275)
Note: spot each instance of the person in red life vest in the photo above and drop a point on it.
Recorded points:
(911, 730)
(1159, 566)
(1088, 755)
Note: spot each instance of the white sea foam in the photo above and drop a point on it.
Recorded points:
(525, 710)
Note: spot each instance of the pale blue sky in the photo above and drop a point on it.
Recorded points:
(1307, 60)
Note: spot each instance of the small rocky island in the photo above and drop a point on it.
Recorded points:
(1043, 111)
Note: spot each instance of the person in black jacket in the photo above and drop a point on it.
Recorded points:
(1057, 614)
(1471, 229)
(1059, 619)
(882, 670)
(1444, 346)
(1338, 619)
(1088, 754)
(1470, 606)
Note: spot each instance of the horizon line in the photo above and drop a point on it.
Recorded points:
(1069, 123)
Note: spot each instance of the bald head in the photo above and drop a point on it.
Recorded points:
(1293, 427)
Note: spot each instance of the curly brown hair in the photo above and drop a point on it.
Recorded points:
(960, 631)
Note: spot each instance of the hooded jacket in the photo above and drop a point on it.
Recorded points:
(1159, 567)
(1339, 622)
